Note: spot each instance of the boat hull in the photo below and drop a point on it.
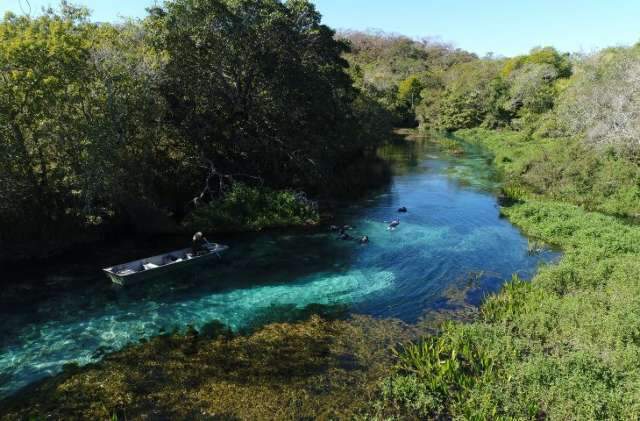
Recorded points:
(144, 269)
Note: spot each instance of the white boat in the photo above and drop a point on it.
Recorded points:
(138, 270)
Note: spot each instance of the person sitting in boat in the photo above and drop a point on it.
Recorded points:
(198, 244)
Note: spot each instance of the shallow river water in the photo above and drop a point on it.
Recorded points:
(451, 233)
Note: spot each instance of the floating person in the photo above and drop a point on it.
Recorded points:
(345, 236)
(198, 244)
(402, 209)
(393, 224)
(364, 240)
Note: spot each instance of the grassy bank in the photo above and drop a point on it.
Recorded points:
(562, 170)
(564, 346)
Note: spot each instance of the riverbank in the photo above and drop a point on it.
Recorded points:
(565, 345)
(564, 170)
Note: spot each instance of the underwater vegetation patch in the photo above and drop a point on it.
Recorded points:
(299, 370)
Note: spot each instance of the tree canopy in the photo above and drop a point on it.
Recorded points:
(128, 123)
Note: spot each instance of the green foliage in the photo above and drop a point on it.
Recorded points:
(540, 56)
(42, 64)
(514, 191)
(246, 208)
(405, 396)
(381, 63)
(457, 90)
(563, 169)
(452, 146)
(409, 91)
(79, 126)
(472, 96)
(119, 125)
(444, 363)
(265, 94)
(532, 92)
(494, 93)
(563, 346)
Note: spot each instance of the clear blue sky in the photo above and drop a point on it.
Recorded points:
(500, 26)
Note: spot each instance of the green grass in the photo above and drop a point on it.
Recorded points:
(563, 170)
(565, 345)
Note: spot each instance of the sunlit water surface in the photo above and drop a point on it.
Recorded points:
(452, 229)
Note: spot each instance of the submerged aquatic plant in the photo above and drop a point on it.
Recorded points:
(451, 145)
(313, 368)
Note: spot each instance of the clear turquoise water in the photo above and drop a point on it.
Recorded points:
(453, 228)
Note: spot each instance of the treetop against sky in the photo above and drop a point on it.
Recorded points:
(499, 26)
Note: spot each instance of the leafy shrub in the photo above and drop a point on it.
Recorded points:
(444, 362)
(246, 208)
(515, 192)
(562, 169)
(407, 394)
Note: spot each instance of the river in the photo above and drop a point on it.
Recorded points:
(452, 234)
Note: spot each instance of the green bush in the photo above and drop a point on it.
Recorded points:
(246, 208)
(444, 363)
(562, 169)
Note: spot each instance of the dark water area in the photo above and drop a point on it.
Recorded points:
(451, 235)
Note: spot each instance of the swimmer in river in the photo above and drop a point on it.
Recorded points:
(345, 236)
(393, 224)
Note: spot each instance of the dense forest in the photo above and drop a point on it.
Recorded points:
(153, 123)
(238, 113)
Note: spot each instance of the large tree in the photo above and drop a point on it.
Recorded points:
(257, 88)
(43, 62)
